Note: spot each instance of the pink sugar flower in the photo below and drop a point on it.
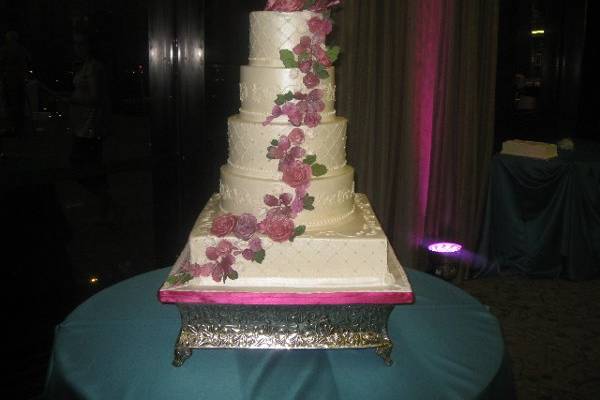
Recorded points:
(271, 200)
(295, 118)
(201, 270)
(301, 190)
(305, 66)
(296, 136)
(310, 80)
(224, 248)
(297, 174)
(212, 253)
(285, 162)
(315, 95)
(303, 46)
(320, 26)
(275, 153)
(322, 5)
(285, 198)
(297, 152)
(222, 225)
(284, 5)
(297, 205)
(321, 55)
(278, 227)
(312, 119)
(284, 143)
(248, 254)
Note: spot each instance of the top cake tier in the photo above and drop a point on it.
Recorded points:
(272, 31)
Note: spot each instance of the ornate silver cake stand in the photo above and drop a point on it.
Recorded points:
(233, 326)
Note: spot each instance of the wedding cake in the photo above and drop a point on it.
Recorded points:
(286, 218)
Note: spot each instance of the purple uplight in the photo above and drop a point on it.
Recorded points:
(444, 247)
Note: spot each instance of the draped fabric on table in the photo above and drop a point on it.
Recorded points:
(416, 80)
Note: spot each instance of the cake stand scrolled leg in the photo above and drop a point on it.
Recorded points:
(385, 351)
(181, 354)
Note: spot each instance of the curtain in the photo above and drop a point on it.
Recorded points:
(416, 81)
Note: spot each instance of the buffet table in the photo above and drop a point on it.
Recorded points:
(119, 345)
(543, 216)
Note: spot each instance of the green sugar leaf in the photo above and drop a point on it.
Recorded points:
(232, 274)
(303, 57)
(320, 71)
(308, 202)
(274, 142)
(318, 169)
(282, 98)
(299, 230)
(259, 256)
(287, 58)
(333, 53)
(310, 159)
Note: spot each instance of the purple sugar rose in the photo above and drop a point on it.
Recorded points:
(255, 244)
(275, 153)
(245, 226)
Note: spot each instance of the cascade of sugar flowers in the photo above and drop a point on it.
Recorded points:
(312, 58)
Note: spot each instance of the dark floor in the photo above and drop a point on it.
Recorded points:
(551, 327)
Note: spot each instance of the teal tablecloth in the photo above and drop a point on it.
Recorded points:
(119, 345)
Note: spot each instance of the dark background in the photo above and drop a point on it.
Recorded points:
(168, 138)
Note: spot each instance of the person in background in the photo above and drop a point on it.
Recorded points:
(89, 117)
(14, 66)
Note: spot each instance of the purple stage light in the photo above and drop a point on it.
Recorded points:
(444, 259)
(444, 247)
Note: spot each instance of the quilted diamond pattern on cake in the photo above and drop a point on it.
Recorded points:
(248, 142)
(270, 32)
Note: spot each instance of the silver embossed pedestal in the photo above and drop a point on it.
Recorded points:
(222, 317)
(232, 326)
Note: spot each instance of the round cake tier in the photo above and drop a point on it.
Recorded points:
(248, 143)
(272, 31)
(334, 196)
(259, 87)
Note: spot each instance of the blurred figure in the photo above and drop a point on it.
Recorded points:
(14, 66)
(89, 115)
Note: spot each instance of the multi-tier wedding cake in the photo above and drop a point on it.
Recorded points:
(286, 218)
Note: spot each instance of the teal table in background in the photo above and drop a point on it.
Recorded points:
(543, 216)
(119, 345)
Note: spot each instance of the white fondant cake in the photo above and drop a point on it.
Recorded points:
(338, 243)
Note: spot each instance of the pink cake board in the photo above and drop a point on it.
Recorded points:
(399, 292)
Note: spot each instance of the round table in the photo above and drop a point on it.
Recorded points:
(119, 345)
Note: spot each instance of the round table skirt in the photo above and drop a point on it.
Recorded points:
(119, 345)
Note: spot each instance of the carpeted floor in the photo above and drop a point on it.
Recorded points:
(552, 332)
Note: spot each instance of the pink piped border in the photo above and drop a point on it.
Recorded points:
(280, 298)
